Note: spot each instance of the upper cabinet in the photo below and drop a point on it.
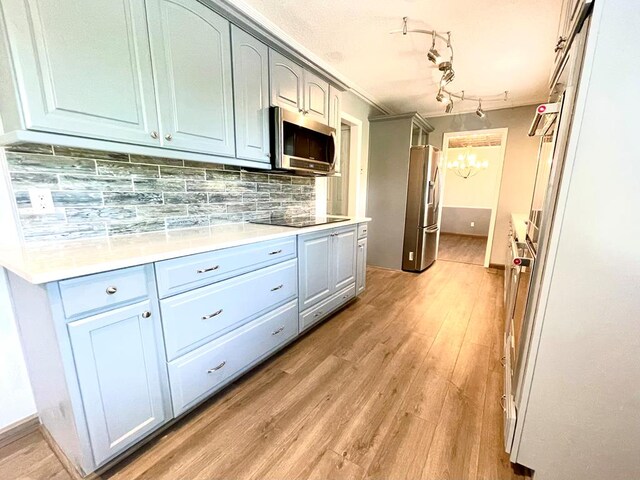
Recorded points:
(294, 88)
(83, 68)
(251, 96)
(335, 100)
(287, 82)
(191, 51)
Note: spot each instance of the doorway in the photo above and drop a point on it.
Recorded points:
(472, 165)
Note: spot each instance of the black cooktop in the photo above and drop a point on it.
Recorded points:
(299, 222)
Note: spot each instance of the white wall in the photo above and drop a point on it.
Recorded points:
(16, 399)
(479, 190)
(520, 162)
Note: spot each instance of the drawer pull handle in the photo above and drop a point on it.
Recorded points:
(318, 314)
(211, 315)
(275, 252)
(277, 288)
(503, 400)
(278, 331)
(111, 290)
(214, 369)
(210, 269)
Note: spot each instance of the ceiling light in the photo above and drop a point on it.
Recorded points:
(444, 66)
(447, 77)
(449, 107)
(433, 55)
(442, 98)
(480, 111)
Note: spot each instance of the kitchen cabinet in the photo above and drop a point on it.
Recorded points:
(115, 355)
(335, 121)
(327, 264)
(294, 88)
(191, 52)
(361, 262)
(81, 68)
(287, 82)
(251, 96)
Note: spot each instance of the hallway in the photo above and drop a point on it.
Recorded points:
(404, 383)
(462, 248)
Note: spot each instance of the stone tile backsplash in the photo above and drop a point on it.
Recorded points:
(99, 193)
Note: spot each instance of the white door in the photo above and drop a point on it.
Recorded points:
(287, 82)
(316, 98)
(84, 68)
(191, 50)
(251, 95)
(118, 368)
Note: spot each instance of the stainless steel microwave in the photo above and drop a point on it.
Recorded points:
(300, 144)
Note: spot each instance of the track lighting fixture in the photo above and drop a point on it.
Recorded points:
(445, 65)
(433, 55)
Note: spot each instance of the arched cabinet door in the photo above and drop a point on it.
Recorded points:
(191, 52)
(316, 98)
(83, 68)
(287, 83)
(251, 96)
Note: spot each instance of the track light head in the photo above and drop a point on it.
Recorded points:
(480, 111)
(442, 97)
(449, 107)
(434, 56)
(447, 77)
(445, 66)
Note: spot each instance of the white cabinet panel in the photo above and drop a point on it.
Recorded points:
(361, 263)
(251, 96)
(344, 257)
(316, 97)
(314, 251)
(84, 68)
(118, 370)
(191, 50)
(287, 82)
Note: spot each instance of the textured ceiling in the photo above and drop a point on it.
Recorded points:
(499, 45)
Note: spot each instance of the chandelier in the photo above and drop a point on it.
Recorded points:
(445, 65)
(467, 164)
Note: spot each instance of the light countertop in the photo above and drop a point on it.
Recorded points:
(54, 261)
(519, 223)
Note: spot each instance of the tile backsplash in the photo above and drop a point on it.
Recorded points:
(98, 193)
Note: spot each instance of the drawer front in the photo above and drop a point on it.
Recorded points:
(103, 291)
(194, 318)
(323, 310)
(200, 373)
(186, 273)
(362, 230)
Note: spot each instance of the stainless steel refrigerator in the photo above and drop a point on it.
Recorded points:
(421, 217)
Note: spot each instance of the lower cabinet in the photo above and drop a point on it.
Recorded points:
(319, 312)
(361, 266)
(198, 374)
(118, 370)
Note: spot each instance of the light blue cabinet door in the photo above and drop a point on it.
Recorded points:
(191, 51)
(118, 370)
(251, 96)
(316, 98)
(361, 264)
(344, 257)
(315, 268)
(287, 82)
(84, 68)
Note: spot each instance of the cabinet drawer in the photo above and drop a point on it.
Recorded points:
(103, 291)
(194, 318)
(200, 373)
(362, 230)
(180, 274)
(324, 309)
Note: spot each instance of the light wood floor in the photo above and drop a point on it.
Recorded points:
(405, 383)
(462, 248)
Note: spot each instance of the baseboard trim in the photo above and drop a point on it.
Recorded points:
(19, 429)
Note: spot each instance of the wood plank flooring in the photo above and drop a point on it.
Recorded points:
(462, 248)
(404, 383)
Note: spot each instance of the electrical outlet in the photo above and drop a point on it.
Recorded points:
(473, 224)
(41, 200)
(410, 256)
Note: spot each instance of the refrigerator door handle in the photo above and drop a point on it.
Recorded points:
(432, 229)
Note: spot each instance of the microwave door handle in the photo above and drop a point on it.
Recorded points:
(335, 150)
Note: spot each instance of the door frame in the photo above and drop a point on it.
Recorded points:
(496, 196)
(357, 201)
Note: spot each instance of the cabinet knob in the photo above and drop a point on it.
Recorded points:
(169, 137)
(154, 134)
(146, 314)
(111, 290)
